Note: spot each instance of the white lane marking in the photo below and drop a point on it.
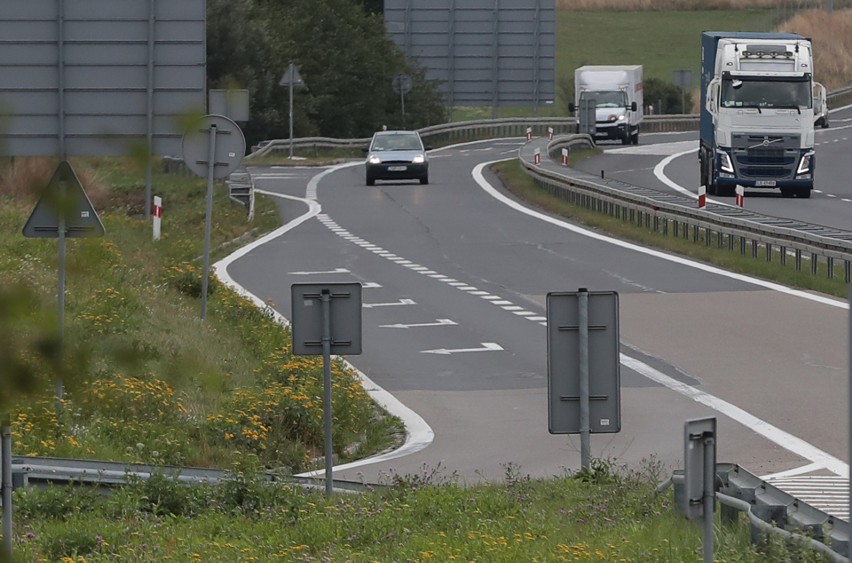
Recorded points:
(334, 271)
(776, 435)
(439, 322)
(486, 347)
(772, 433)
(389, 304)
(418, 433)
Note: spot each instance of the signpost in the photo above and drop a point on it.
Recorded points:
(583, 365)
(63, 211)
(214, 147)
(699, 476)
(292, 79)
(326, 320)
(402, 85)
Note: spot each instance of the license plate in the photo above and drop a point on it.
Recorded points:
(765, 183)
(396, 168)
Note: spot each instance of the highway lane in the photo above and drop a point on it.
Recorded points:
(694, 343)
(670, 162)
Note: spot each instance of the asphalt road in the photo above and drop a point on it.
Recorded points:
(670, 162)
(472, 267)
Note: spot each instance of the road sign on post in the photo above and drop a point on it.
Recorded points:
(292, 79)
(326, 319)
(63, 211)
(214, 147)
(564, 359)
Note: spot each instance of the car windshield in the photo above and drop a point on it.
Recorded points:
(399, 142)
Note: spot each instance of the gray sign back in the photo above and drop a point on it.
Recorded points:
(99, 77)
(563, 363)
(307, 318)
(481, 52)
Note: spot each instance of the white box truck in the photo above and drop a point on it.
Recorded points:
(612, 95)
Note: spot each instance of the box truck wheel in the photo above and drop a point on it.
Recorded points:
(635, 138)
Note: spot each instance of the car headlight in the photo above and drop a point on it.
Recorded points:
(805, 163)
(725, 162)
(621, 117)
(419, 159)
(374, 159)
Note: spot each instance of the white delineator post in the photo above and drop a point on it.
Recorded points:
(529, 133)
(537, 156)
(564, 157)
(157, 216)
(740, 199)
(550, 133)
(702, 197)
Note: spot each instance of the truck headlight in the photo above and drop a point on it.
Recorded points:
(805, 163)
(419, 159)
(374, 160)
(725, 162)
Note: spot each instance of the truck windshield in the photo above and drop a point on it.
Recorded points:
(761, 93)
(606, 99)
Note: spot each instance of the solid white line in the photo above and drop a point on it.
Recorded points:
(786, 441)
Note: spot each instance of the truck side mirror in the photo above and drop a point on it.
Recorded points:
(632, 106)
(571, 107)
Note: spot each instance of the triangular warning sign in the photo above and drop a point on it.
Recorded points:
(291, 76)
(64, 204)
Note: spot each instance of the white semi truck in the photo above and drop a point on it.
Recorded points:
(608, 101)
(757, 116)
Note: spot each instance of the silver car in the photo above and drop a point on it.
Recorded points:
(397, 155)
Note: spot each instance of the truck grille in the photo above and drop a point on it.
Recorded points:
(766, 156)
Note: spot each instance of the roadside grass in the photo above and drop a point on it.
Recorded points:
(606, 513)
(520, 184)
(145, 379)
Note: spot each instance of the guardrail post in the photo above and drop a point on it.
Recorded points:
(769, 252)
(813, 263)
(798, 260)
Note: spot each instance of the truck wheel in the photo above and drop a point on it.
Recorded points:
(804, 193)
(635, 138)
(625, 140)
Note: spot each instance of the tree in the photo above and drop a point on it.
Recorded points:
(666, 97)
(348, 63)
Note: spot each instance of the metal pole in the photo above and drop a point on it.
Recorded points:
(709, 494)
(583, 306)
(60, 298)
(849, 405)
(211, 164)
(292, 75)
(402, 101)
(6, 432)
(326, 382)
(149, 118)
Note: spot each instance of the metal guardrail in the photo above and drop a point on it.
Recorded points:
(771, 511)
(29, 471)
(459, 131)
(735, 228)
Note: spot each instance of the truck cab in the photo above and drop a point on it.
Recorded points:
(757, 123)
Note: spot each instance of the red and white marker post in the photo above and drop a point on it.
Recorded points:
(702, 196)
(529, 133)
(564, 157)
(550, 133)
(157, 216)
(537, 156)
(740, 199)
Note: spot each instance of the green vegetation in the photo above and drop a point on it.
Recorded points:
(606, 513)
(145, 378)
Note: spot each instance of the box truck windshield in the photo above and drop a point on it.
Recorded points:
(608, 99)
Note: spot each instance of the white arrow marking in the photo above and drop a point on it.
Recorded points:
(440, 322)
(334, 271)
(400, 302)
(488, 347)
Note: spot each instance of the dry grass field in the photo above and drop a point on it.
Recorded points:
(831, 33)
